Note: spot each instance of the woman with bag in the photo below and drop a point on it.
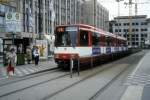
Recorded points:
(12, 62)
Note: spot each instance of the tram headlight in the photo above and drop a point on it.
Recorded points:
(56, 56)
(73, 56)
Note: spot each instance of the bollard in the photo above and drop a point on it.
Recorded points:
(91, 61)
(71, 67)
(78, 67)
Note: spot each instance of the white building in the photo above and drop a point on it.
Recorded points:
(139, 29)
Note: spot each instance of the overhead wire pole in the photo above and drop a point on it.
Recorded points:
(118, 14)
(130, 23)
(94, 24)
(118, 18)
(136, 9)
(94, 13)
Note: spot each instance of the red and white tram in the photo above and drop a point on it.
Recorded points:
(83, 42)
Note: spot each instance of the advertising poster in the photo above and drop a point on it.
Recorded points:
(43, 49)
(13, 22)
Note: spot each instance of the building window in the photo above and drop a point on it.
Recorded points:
(143, 23)
(133, 30)
(142, 39)
(143, 29)
(142, 35)
(137, 43)
(137, 23)
(133, 24)
(124, 30)
(119, 30)
(133, 35)
(116, 30)
(133, 43)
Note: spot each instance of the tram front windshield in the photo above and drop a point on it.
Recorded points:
(66, 37)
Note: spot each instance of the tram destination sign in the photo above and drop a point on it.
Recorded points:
(71, 29)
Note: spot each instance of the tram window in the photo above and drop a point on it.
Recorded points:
(108, 41)
(95, 39)
(83, 38)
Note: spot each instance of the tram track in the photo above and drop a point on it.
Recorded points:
(89, 74)
(65, 88)
(107, 85)
(33, 85)
(93, 97)
(29, 76)
(86, 78)
(100, 91)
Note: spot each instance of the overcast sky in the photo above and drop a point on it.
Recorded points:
(112, 6)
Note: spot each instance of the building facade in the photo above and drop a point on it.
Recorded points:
(95, 14)
(38, 19)
(4, 8)
(139, 29)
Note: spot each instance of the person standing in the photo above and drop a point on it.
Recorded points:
(28, 55)
(36, 56)
(33, 58)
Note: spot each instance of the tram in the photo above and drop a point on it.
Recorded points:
(86, 44)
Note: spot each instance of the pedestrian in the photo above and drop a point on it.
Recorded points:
(33, 49)
(28, 55)
(12, 59)
(36, 56)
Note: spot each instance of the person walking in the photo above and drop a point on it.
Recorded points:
(12, 61)
(36, 56)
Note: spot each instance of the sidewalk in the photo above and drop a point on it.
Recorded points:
(139, 81)
(27, 69)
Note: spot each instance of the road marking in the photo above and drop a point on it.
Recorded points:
(18, 72)
(2, 78)
(138, 66)
(133, 93)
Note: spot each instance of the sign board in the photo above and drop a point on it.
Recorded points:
(96, 51)
(13, 22)
(4, 1)
(43, 48)
(1, 45)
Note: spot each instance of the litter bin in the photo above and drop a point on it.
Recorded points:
(20, 59)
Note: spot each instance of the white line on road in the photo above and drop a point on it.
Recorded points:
(133, 93)
(138, 66)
